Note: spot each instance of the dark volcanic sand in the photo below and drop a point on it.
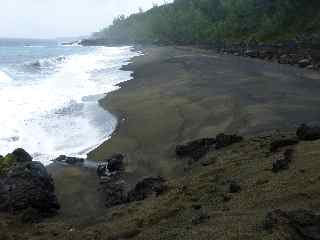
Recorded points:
(182, 93)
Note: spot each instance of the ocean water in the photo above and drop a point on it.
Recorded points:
(49, 96)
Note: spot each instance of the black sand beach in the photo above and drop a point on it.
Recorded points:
(180, 94)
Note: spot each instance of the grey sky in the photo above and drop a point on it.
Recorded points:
(62, 18)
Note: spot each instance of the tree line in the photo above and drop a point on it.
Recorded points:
(208, 21)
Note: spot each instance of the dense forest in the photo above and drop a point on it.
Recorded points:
(208, 21)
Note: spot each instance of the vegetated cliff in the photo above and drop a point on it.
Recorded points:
(214, 21)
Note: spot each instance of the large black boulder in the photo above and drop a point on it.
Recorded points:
(234, 187)
(114, 193)
(283, 162)
(146, 188)
(115, 163)
(27, 185)
(195, 149)
(307, 133)
(297, 225)
(118, 189)
(111, 165)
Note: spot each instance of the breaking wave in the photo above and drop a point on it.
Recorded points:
(57, 112)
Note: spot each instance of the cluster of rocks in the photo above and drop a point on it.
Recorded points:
(297, 224)
(116, 186)
(26, 188)
(293, 53)
(198, 148)
(113, 164)
(283, 160)
(152, 186)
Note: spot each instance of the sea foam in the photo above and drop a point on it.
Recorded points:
(55, 114)
(4, 77)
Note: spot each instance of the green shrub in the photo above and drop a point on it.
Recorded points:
(6, 162)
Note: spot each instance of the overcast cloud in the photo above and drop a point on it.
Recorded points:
(62, 18)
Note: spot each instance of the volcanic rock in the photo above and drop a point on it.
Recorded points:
(27, 185)
(277, 144)
(147, 187)
(307, 133)
(224, 140)
(297, 224)
(195, 149)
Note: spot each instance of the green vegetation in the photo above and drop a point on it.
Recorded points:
(6, 162)
(208, 21)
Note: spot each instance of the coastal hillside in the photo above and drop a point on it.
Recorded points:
(213, 21)
(196, 142)
(176, 169)
(231, 193)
